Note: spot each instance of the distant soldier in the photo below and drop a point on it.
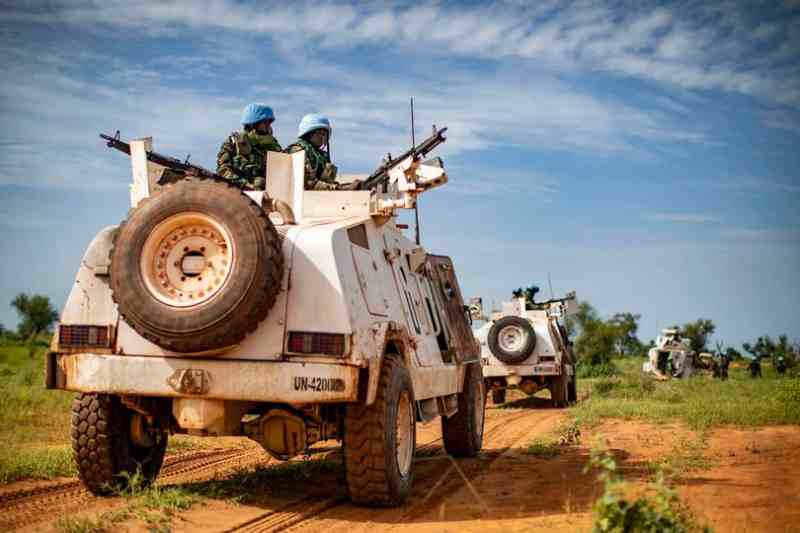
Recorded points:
(780, 365)
(242, 157)
(755, 367)
(314, 133)
(724, 363)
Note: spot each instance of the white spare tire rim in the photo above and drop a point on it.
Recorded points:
(187, 259)
(511, 338)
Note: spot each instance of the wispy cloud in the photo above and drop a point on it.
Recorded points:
(698, 46)
(694, 218)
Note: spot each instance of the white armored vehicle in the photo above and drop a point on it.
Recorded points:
(672, 356)
(288, 316)
(525, 346)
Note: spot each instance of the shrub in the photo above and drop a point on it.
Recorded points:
(660, 509)
(600, 370)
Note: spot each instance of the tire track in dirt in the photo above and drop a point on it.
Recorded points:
(502, 433)
(312, 508)
(28, 506)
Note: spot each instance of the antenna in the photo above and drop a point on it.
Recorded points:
(550, 282)
(416, 203)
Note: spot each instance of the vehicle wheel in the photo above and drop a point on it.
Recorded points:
(559, 389)
(498, 396)
(379, 440)
(462, 433)
(572, 396)
(196, 266)
(106, 454)
(511, 339)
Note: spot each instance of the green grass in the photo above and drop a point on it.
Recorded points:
(34, 422)
(544, 449)
(701, 402)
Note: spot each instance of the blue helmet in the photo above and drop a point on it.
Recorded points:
(254, 113)
(313, 121)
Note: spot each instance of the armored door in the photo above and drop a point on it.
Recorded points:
(449, 299)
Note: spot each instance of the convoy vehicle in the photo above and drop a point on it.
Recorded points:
(525, 346)
(672, 356)
(287, 316)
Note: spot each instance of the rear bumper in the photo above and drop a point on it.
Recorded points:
(501, 371)
(247, 380)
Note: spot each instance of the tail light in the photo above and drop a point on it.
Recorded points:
(317, 343)
(80, 336)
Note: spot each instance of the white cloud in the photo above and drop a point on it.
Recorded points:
(694, 218)
(707, 46)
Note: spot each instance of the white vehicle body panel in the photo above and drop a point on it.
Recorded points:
(357, 284)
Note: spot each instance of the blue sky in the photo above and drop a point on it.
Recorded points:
(644, 154)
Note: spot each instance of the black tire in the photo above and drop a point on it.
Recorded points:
(498, 396)
(374, 477)
(506, 355)
(462, 433)
(104, 452)
(572, 396)
(559, 389)
(238, 295)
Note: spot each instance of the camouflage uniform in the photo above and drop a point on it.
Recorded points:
(242, 158)
(320, 174)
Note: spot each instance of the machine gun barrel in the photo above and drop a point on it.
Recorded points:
(381, 174)
(176, 165)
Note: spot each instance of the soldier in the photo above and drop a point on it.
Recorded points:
(242, 157)
(313, 133)
(755, 367)
(724, 363)
(780, 366)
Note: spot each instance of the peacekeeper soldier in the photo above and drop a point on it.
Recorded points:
(242, 157)
(314, 133)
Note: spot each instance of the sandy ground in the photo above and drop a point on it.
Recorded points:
(750, 483)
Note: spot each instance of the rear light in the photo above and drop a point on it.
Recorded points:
(317, 343)
(73, 336)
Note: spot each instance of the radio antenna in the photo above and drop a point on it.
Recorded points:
(416, 203)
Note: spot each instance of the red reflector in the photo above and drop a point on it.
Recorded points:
(313, 343)
(84, 336)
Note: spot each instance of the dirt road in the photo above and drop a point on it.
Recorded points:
(504, 488)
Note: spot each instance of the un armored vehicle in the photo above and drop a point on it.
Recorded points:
(525, 346)
(287, 316)
(672, 356)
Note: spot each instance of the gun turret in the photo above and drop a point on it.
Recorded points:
(381, 174)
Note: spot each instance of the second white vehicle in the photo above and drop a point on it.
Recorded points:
(525, 346)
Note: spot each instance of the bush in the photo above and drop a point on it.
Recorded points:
(605, 369)
(658, 510)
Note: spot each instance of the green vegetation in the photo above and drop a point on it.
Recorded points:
(36, 313)
(542, 448)
(659, 509)
(155, 506)
(34, 422)
(701, 402)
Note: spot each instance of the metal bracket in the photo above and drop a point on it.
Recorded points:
(189, 381)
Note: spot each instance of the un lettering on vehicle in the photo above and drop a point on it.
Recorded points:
(318, 384)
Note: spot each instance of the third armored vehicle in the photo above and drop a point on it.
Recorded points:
(524, 345)
(288, 316)
(672, 356)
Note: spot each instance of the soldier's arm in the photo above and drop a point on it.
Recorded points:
(226, 167)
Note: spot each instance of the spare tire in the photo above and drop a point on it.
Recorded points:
(196, 266)
(512, 339)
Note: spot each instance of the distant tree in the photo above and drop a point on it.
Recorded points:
(766, 348)
(626, 342)
(698, 333)
(733, 354)
(36, 313)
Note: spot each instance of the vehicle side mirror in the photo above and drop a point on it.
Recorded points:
(475, 308)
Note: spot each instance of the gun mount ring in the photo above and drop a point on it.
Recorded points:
(186, 259)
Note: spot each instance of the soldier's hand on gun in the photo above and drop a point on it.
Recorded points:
(330, 170)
